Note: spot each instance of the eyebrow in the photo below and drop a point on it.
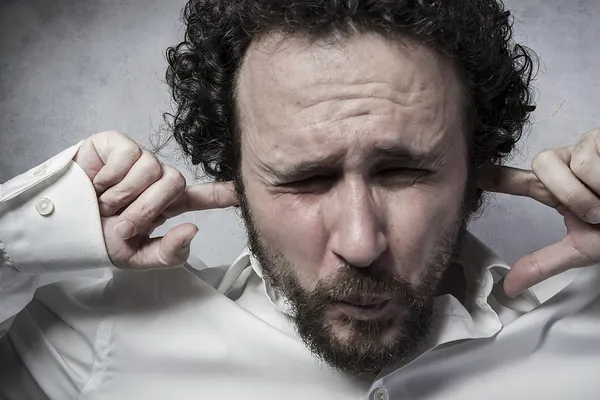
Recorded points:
(322, 166)
(330, 164)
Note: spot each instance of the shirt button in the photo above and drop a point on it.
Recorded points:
(381, 394)
(40, 170)
(44, 207)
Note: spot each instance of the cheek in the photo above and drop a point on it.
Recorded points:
(416, 228)
(294, 227)
(419, 221)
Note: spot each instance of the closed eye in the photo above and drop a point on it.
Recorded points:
(311, 184)
(398, 171)
(399, 175)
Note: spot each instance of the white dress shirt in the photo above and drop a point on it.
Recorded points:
(82, 329)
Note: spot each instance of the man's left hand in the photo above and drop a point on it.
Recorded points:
(567, 179)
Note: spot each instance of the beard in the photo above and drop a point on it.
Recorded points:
(368, 345)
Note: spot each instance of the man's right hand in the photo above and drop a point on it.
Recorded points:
(136, 194)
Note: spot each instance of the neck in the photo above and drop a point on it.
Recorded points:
(453, 282)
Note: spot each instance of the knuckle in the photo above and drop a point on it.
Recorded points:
(133, 149)
(109, 133)
(141, 216)
(570, 197)
(180, 182)
(542, 159)
(575, 200)
(581, 165)
(113, 136)
(538, 270)
(596, 138)
(145, 214)
(165, 259)
(125, 143)
(116, 135)
(174, 177)
(593, 134)
(152, 166)
(115, 199)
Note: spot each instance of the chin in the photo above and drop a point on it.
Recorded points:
(362, 342)
(350, 332)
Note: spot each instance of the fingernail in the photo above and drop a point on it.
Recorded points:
(511, 289)
(593, 215)
(186, 243)
(124, 229)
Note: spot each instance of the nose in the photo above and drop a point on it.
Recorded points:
(358, 229)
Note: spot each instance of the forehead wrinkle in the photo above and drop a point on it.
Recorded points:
(338, 103)
(304, 82)
(310, 111)
(356, 145)
(272, 91)
(322, 101)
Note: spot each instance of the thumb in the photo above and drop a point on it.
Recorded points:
(541, 265)
(169, 251)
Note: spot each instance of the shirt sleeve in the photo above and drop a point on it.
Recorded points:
(49, 224)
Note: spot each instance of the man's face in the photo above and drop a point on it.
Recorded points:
(354, 169)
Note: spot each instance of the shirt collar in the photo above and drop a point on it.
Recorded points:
(456, 321)
(452, 321)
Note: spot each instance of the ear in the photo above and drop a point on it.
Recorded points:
(474, 196)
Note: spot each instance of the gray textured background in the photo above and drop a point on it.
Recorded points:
(70, 68)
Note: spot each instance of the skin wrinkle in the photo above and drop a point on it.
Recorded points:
(279, 154)
(292, 146)
(381, 156)
(332, 115)
(326, 56)
(355, 92)
(391, 231)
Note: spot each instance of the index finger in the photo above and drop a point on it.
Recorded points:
(203, 196)
(516, 182)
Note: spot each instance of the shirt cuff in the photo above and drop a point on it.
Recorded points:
(49, 219)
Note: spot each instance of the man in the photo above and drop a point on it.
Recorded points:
(356, 138)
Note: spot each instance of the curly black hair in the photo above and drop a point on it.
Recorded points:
(476, 34)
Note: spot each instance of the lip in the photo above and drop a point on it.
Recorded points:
(369, 310)
(366, 301)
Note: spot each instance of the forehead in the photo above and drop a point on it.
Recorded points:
(345, 94)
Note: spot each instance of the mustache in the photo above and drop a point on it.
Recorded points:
(353, 282)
